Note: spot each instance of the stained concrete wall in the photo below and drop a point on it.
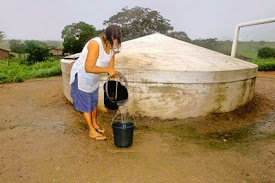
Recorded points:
(175, 100)
(186, 100)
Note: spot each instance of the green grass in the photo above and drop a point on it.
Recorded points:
(265, 64)
(16, 72)
(249, 54)
(249, 50)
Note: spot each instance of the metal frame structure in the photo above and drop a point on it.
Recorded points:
(237, 30)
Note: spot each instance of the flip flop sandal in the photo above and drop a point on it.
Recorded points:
(100, 130)
(99, 137)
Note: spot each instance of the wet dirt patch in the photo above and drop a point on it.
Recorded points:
(43, 139)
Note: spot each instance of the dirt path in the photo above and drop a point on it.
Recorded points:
(43, 139)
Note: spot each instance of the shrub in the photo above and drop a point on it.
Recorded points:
(266, 52)
(37, 51)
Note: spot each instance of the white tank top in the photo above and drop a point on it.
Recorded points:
(89, 82)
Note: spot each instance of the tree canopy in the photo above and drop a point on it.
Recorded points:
(2, 35)
(134, 22)
(179, 35)
(17, 46)
(76, 35)
(37, 51)
(139, 21)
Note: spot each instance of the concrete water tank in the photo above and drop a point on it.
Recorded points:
(169, 78)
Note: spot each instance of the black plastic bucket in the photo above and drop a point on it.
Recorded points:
(123, 133)
(115, 90)
(109, 104)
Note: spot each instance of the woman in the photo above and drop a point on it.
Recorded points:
(96, 57)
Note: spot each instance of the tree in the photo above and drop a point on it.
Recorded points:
(179, 35)
(98, 32)
(266, 52)
(17, 46)
(138, 21)
(210, 43)
(2, 35)
(37, 51)
(76, 35)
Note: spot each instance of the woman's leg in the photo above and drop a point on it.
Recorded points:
(95, 121)
(94, 117)
(87, 117)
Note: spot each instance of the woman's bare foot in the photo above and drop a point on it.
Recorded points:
(95, 135)
(97, 127)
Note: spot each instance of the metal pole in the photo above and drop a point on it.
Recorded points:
(237, 30)
(235, 41)
(264, 21)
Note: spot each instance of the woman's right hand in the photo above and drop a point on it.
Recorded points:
(111, 72)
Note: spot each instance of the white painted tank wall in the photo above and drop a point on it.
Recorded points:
(178, 100)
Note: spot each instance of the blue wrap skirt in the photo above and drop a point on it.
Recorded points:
(83, 101)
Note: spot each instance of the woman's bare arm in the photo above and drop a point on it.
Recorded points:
(90, 64)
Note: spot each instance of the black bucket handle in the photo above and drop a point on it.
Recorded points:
(106, 86)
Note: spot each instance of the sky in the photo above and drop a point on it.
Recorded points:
(45, 19)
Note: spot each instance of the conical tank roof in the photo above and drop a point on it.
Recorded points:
(180, 61)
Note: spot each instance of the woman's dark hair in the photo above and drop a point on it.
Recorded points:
(113, 32)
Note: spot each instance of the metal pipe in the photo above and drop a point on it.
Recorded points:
(264, 21)
(235, 41)
(237, 30)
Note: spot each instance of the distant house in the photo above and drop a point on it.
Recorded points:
(56, 52)
(4, 54)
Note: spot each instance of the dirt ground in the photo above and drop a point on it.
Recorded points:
(43, 139)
